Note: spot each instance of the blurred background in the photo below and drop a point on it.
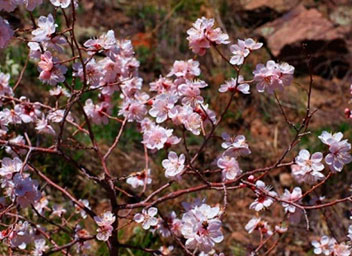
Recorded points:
(298, 32)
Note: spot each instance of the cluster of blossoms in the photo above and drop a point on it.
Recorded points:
(242, 49)
(200, 225)
(202, 35)
(19, 187)
(339, 151)
(105, 225)
(330, 247)
(173, 103)
(273, 76)
(227, 162)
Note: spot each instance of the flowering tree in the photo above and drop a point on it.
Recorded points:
(86, 82)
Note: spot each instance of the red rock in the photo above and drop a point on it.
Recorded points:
(300, 24)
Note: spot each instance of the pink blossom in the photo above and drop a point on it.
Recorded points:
(41, 204)
(10, 166)
(111, 71)
(308, 168)
(55, 43)
(230, 167)
(207, 115)
(293, 196)
(185, 115)
(235, 146)
(350, 232)
(147, 218)
(252, 45)
(166, 250)
(6, 32)
(105, 222)
(58, 91)
(133, 110)
(339, 150)
(20, 235)
(330, 138)
(342, 249)
(42, 126)
(93, 72)
(81, 211)
(34, 50)
(193, 123)
(19, 140)
(95, 112)
(258, 224)
(264, 196)
(162, 104)
(125, 48)
(190, 92)
(5, 88)
(174, 165)
(280, 229)
(231, 85)
(26, 190)
(242, 49)
(174, 224)
(57, 116)
(202, 35)
(51, 72)
(273, 76)
(10, 116)
(28, 112)
(239, 51)
(39, 247)
(156, 137)
(169, 225)
(131, 86)
(107, 218)
(339, 155)
(61, 3)
(162, 85)
(58, 210)
(46, 28)
(202, 228)
(140, 179)
(172, 140)
(324, 246)
(106, 43)
(186, 69)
